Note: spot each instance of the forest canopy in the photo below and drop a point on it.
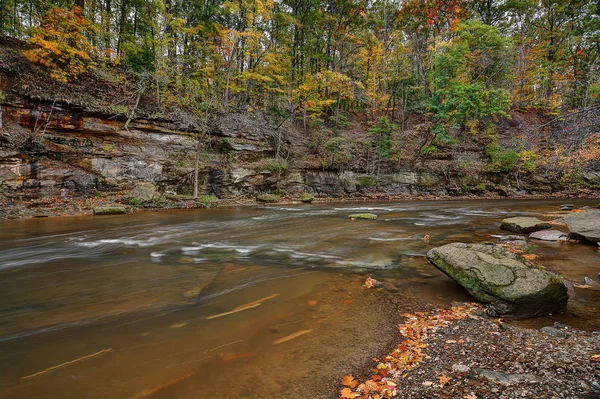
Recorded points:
(463, 62)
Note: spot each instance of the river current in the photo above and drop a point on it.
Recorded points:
(248, 302)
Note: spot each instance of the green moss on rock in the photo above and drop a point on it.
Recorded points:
(363, 216)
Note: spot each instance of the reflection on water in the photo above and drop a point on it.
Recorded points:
(176, 304)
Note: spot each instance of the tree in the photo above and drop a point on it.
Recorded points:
(469, 78)
(61, 44)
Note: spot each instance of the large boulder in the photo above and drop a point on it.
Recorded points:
(494, 275)
(585, 225)
(524, 225)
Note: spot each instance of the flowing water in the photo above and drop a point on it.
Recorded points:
(233, 303)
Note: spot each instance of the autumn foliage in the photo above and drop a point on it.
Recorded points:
(389, 372)
(61, 45)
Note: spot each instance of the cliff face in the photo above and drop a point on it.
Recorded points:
(46, 150)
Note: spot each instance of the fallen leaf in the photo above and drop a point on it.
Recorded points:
(427, 383)
(443, 379)
(450, 341)
(582, 286)
(348, 301)
(596, 358)
(312, 303)
(349, 381)
(347, 393)
(470, 396)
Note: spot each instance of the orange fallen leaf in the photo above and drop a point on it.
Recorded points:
(347, 393)
(596, 358)
(443, 379)
(349, 381)
(348, 301)
(312, 303)
(582, 286)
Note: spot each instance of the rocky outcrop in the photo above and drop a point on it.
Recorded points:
(81, 151)
(584, 226)
(524, 225)
(494, 275)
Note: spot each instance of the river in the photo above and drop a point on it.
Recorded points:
(248, 302)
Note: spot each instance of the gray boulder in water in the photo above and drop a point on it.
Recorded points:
(524, 225)
(549, 235)
(584, 225)
(494, 275)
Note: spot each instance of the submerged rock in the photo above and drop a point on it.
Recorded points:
(549, 235)
(501, 237)
(585, 225)
(524, 225)
(363, 216)
(496, 276)
(109, 210)
(566, 207)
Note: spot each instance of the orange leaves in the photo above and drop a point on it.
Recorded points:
(61, 44)
(407, 355)
(349, 381)
(596, 358)
(443, 380)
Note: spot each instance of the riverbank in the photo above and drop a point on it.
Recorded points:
(462, 353)
(84, 205)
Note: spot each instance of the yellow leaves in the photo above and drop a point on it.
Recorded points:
(596, 358)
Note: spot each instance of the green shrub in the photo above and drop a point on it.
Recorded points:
(501, 160)
(366, 181)
(307, 197)
(208, 200)
(134, 201)
(275, 166)
(383, 135)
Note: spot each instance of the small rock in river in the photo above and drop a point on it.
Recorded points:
(363, 216)
(587, 281)
(549, 235)
(566, 207)
(555, 332)
(524, 225)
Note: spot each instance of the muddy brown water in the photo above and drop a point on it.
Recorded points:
(234, 303)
